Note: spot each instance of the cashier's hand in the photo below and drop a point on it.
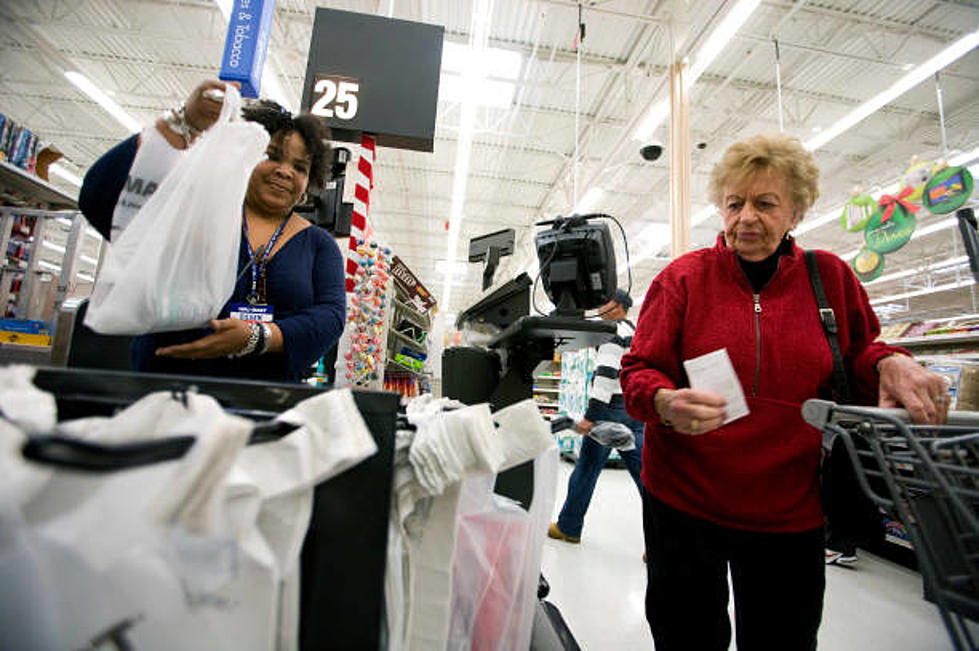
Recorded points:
(583, 426)
(229, 336)
(690, 411)
(202, 112)
(905, 383)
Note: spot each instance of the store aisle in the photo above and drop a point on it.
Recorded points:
(599, 585)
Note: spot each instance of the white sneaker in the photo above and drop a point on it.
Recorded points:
(834, 557)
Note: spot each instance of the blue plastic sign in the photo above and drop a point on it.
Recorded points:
(246, 44)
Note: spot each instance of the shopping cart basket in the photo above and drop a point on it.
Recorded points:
(927, 477)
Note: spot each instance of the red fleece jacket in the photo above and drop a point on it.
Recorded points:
(760, 472)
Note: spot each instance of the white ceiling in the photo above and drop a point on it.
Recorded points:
(149, 54)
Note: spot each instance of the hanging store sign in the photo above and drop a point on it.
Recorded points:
(376, 75)
(246, 43)
(947, 190)
(419, 296)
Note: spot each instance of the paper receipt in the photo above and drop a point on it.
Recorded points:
(714, 372)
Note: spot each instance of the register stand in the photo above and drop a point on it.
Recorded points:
(502, 373)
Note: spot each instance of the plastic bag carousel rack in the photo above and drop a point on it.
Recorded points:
(345, 551)
(927, 477)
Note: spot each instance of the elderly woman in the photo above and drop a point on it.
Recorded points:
(743, 496)
(288, 305)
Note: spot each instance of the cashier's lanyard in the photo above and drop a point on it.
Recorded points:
(260, 261)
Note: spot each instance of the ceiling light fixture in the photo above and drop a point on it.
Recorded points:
(590, 200)
(473, 74)
(922, 292)
(720, 37)
(944, 58)
(98, 96)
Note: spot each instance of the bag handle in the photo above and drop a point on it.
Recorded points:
(231, 106)
(840, 387)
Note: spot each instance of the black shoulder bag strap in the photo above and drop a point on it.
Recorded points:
(841, 388)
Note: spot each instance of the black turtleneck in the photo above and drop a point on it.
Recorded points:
(761, 272)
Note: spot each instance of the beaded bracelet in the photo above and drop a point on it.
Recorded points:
(256, 333)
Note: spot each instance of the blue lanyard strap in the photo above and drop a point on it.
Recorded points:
(259, 262)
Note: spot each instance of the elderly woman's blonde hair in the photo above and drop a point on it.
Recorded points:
(779, 153)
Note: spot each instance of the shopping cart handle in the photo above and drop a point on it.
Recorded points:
(820, 412)
(817, 412)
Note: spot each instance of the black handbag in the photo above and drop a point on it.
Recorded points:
(851, 517)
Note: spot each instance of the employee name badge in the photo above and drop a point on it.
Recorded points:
(249, 312)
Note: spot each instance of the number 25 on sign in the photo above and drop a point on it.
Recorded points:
(335, 97)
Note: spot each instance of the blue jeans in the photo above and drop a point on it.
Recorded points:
(591, 460)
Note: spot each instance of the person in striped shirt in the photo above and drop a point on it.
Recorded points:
(605, 403)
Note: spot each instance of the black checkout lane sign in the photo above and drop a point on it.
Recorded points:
(374, 75)
(335, 97)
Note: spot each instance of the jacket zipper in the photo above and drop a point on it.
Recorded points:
(757, 299)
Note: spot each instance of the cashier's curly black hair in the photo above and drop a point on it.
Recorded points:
(277, 119)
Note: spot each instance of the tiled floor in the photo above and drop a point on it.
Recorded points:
(599, 585)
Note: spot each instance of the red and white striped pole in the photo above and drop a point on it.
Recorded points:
(363, 185)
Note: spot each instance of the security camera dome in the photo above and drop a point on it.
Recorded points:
(652, 151)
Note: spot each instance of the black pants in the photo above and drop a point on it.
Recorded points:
(777, 579)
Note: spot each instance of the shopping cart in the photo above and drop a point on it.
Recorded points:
(926, 477)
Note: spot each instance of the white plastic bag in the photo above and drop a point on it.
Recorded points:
(175, 265)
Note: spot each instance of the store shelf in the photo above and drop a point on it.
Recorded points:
(14, 179)
(407, 340)
(547, 404)
(412, 315)
(546, 390)
(901, 542)
(937, 340)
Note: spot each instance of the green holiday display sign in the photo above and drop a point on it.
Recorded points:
(867, 265)
(947, 190)
(857, 211)
(892, 226)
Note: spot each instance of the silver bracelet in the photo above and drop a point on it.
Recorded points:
(253, 337)
(176, 119)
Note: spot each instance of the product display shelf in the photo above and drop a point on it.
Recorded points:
(406, 365)
(20, 188)
(49, 255)
(547, 388)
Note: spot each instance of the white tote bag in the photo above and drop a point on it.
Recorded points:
(175, 265)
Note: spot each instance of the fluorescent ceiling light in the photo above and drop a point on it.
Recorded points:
(62, 173)
(86, 277)
(446, 268)
(54, 247)
(490, 92)
(651, 122)
(491, 62)
(713, 46)
(922, 292)
(897, 275)
(947, 56)
(89, 259)
(44, 264)
(472, 76)
(589, 201)
(719, 38)
(98, 96)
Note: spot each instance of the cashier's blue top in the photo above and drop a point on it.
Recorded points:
(304, 283)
